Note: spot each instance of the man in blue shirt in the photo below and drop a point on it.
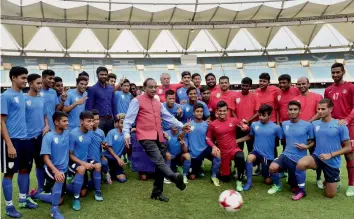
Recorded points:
(16, 153)
(332, 141)
(172, 107)
(182, 95)
(58, 87)
(187, 108)
(264, 133)
(75, 102)
(101, 97)
(123, 97)
(36, 122)
(55, 152)
(298, 135)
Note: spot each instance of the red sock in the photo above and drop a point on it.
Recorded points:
(350, 168)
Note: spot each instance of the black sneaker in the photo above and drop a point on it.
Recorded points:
(180, 182)
(160, 198)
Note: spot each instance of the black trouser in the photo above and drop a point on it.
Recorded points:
(106, 124)
(240, 134)
(157, 154)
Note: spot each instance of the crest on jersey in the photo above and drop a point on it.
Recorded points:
(41, 94)
(317, 128)
(287, 127)
(29, 103)
(192, 127)
(230, 124)
(180, 92)
(122, 96)
(115, 137)
(279, 97)
(81, 138)
(16, 100)
(210, 109)
(160, 91)
(56, 140)
(187, 109)
(76, 98)
(344, 91)
(218, 95)
(238, 100)
(256, 128)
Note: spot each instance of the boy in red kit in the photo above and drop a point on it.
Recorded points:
(224, 94)
(223, 131)
(342, 95)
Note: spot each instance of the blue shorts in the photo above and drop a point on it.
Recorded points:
(25, 154)
(288, 165)
(50, 181)
(36, 142)
(265, 163)
(331, 174)
(114, 168)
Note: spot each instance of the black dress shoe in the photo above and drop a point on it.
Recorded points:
(160, 198)
(179, 182)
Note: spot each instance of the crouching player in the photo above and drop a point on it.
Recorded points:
(299, 137)
(55, 152)
(115, 142)
(264, 133)
(223, 130)
(332, 141)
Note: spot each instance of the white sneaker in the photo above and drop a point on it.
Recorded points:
(166, 181)
(320, 184)
(108, 178)
(185, 179)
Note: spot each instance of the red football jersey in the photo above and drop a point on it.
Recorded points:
(269, 96)
(246, 105)
(284, 98)
(160, 91)
(228, 97)
(308, 105)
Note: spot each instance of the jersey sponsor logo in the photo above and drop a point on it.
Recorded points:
(279, 97)
(29, 102)
(238, 100)
(287, 127)
(81, 138)
(256, 128)
(56, 140)
(317, 128)
(115, 137)
(218, 95)
(344, 91)
(16, 100)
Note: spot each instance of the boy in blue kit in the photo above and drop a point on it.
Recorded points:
(37, 123)
(198, 147)
(332, 141)
(80, 139)
(55, 152)
(177, 152)
(172, 107)
(264, 133)
(187, 108)
(115, 142)
(299, 137)
(75, 102)
(123, 97)
(16, 153)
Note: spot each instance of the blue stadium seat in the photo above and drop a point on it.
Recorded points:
(234, 75)
(254, 73)
(5, 80)
(350, 71)
(321, 73)
(295, 72)
(153, 73)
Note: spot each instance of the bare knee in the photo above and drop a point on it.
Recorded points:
(168, 156)
(274, 168)
(349, 156)
(97, 166)
(81, 170)
(251, 158)
(186, 156)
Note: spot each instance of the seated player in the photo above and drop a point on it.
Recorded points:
(223, 130)
(298, 135)
(80, 139)
(198, 147)
(115, 142)
(55, 152)
(332, 141)
(264, 133)
(187, 108)
(177, 152)
(172, 107)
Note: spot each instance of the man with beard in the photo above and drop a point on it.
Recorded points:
(224, 94)
(210, 80)
(133, 90)
(101, 97)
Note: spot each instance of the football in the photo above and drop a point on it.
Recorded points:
(230, 200)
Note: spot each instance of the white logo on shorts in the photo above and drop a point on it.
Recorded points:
(73, 166)
(16, 99)
(115, 137)
(29, 103)
(238, 100)
(11, 164)
(80, 138)
(317, 128)
(256, 128)
(56, 140)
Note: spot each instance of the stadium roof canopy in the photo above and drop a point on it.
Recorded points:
(160, 28)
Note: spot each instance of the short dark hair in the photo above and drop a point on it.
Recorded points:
(86, 115)
(58, 115)
(208, 75)
(197, 106)
(223, 78)
(190, 89)
(195, 75)
(294, 103)
(17, 71)
(132, 84)
(204, 88)
(101, 68)
(246, 80)
(326, 101)
(57, 79)
(32, 77)
(336, 65)
(284, 77)
(82, 78)
(85, 74)
(169, 92)
(185, 73)
(111, 75)
(125, 81)
(48, 72)
(146, 81)
(265, 108)
(221, 104)
(265, 76)
(95, 112)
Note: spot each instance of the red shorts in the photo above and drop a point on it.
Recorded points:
(226, 159)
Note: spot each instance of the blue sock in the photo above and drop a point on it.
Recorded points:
(104, 166)
(249, 170)
(40, 178)
(23, 185)
(301, 178)
(78, 181)
(97, 180)
(7, 190)
(186, 166)
(276, 179)
(216, 166)
(56, 193)
(70, 188)
(46, 197)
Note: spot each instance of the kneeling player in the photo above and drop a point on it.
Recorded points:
(332, 140)
(298, 134)
(115, 141)
(264, 133)
(223, 130)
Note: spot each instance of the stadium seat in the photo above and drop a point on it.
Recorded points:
(294, 71)
(321, 74)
